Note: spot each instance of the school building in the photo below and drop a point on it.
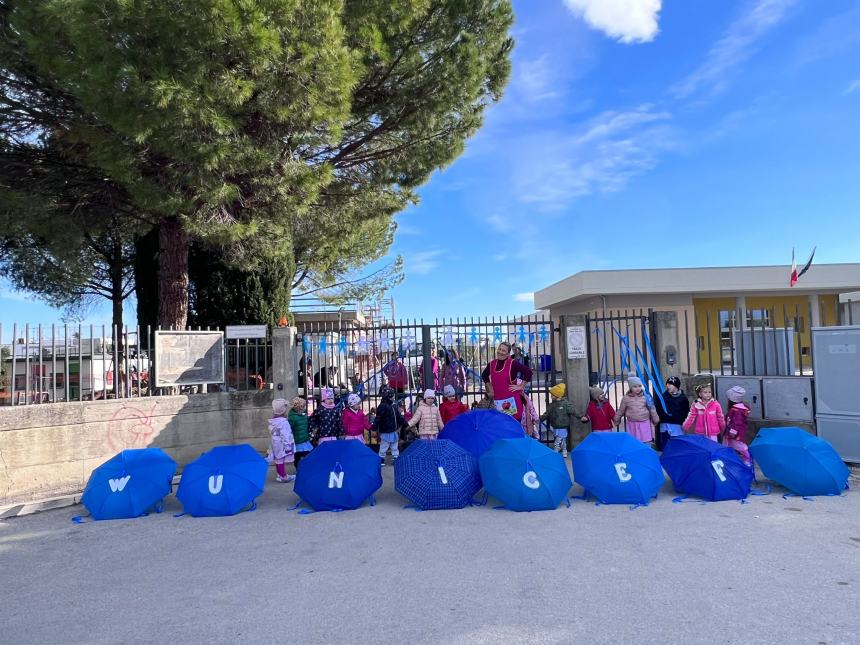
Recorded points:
(715, 304)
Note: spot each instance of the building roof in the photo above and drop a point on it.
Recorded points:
(834, 278)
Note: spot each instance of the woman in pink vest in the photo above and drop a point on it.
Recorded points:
(506, 382)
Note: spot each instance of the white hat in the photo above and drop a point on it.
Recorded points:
(448, 390)
(279, 406)
(736, 394)
(353, 399)
(429, 394)
(634, 380)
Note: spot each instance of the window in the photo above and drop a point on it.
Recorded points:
(758, 318)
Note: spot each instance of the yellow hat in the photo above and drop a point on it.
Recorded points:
(558, 390)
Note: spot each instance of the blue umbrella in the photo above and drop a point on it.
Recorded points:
(525, 475)
(129, 484)
(801, 462)
(617, 468)
(477, 430)
(437, 474)
(222, 481)
(338, 475)
(698, 466)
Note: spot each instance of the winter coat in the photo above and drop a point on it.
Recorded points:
(325, 422)
(634, 407)
(434, 367)
(601, 415)
(398, 375)
(559, 413)
(282, 444)
(354, 422)
(676, 410)
(450, 409)
(706, 418)
(299, 426)
(427, 418)
(388, 418)
(454, 375)
(736, 421)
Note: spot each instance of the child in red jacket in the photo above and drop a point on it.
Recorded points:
(451, 406)
(599, 411)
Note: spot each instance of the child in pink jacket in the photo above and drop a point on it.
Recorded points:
(640, 417)
(736, 423)
(706, 416)
(282, 447)
(354, 421)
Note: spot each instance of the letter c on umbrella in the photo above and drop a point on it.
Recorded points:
(718, 465)
(623, 475)
(530, 480)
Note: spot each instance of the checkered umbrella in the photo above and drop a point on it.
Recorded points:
(437, 474)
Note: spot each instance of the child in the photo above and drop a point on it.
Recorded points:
(599, 411)
(706, 416)
(371, 416)
(427, 417)
(559, 414)
(486, 403)
(325, 421)
(388, 423)
(637, 413)
(736, 423)
(674, 412)
(298, 419)
(451, 406)
(353, 421)
(282, 446)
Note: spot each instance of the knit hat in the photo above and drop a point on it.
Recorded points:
(596, 392)
(353, 400)
(736, 394)
(298, 403)
(558, 390)
(634, 380)
(327, 393)
(674, 380)
(279, 406)
(429, 394)
(386, 392)
(448, 390)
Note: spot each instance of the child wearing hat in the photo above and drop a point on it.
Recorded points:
(282, 445)
(298, 419)
(451, 406)
(353, 420)
(325, 422)
(599, 411)
(427, 417)
(736, 423)
(706, 416)
(639, 416)
(559, 414)
(673, 410)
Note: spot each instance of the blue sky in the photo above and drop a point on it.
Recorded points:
(635, 134)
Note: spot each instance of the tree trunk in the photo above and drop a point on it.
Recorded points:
(172, 274)
(116, 285)
(146, 277)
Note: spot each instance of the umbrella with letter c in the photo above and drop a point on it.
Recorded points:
(525, 475)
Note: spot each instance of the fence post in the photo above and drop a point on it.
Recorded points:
(284, 376)
(427, 357)
(576, 377)
(664, 331)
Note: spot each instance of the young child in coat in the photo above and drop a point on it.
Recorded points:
(298, 419)
(640, 416)
(451, 406)
(353, 421)
(388, 422)
(599, 411)
(672, 411)
(282, 445)
(736, 423)
(427, 417)
(559, 414)
(706, 416)
(325, 422)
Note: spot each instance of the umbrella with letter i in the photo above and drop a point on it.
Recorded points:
(222, 481)
(707, 469)
(525, 475)
(338, 475)
(617, 468)
(478, 430)
(437, 475)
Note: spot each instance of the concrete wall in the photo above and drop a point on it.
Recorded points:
(50, 450)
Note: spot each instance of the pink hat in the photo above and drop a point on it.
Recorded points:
(327, 393)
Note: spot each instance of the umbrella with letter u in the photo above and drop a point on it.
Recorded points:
(478, 430)
(338, 475)
(437, 475)
(617, 468)
(800, 461)
(129, 484)
(525, 475)
(707, 469)
(222, 481)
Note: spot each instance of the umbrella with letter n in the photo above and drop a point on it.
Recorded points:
(525, 475)
(478, 430)
(222, 481)
(707, 469)
(338, 475)
(437, 475)
(617, 468)
(129, 484)
(800, 461)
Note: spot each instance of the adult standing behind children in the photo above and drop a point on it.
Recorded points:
(453, 372)
(506, 381)
(674, 412)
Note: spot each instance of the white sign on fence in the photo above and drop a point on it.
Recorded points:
(232, 332)
(576, 342)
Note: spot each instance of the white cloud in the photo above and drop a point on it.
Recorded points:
(741, 40)
(534, 78)
(629, 21)
(853, 87)
(499, 223)
(526, 296)
(422, 262)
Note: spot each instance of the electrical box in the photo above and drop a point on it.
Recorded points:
(843, 433)
(836, 361)
(788, 398)
(751, 384)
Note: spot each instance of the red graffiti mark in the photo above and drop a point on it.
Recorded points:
(130, 427)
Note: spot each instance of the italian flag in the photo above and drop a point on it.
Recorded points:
(795, 274)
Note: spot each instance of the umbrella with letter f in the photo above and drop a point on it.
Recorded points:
(704, 468)
(437, 475)
(617, 468)
(478, 430)
(222, 481)
(338, 475)
(525, 475)
(129, 484)
(800, 461)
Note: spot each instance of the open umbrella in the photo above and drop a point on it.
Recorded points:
(436, 475)
(617, 468)
(707, 469)
(222, 481)
(338, 475)
(129, 484)
(801, 462)
(525, 475)
(477, 430)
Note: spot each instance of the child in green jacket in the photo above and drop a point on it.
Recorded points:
(559, 414)
(298, 419)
